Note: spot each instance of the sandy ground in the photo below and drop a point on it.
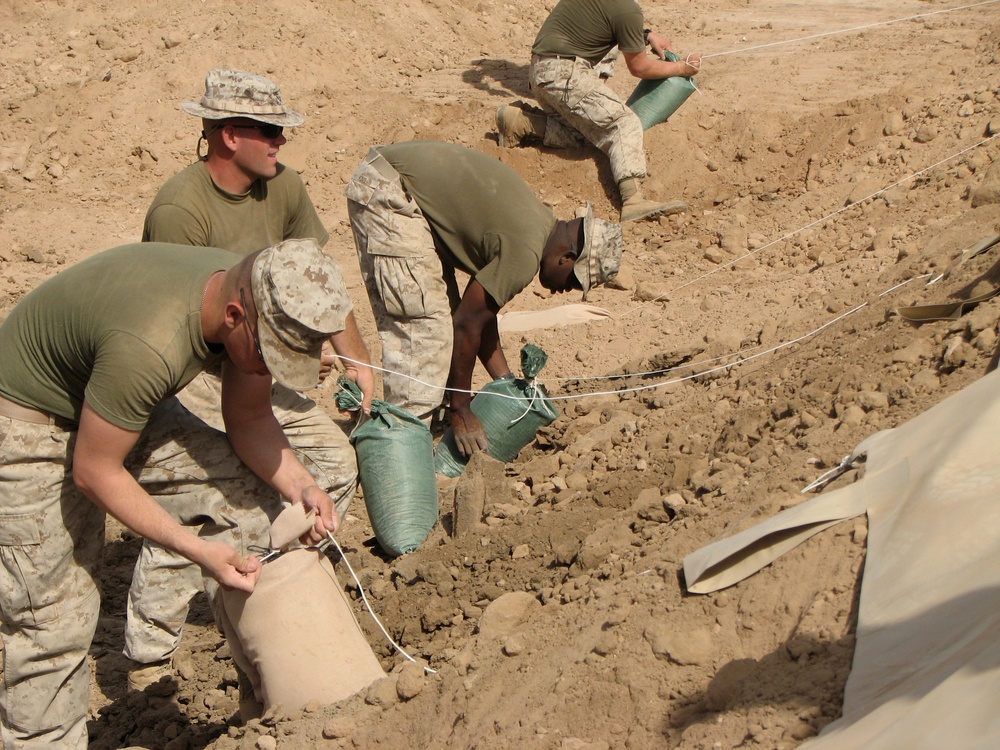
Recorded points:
(752, 343)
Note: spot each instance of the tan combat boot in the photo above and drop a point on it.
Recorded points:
(514, 124)
(635, 206)
(157, 678)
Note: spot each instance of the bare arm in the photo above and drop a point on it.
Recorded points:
(357, 361)
(476, 335)
(642, 65)
(259, 441)
(99, 472)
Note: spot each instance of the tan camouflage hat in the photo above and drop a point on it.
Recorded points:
(301, 300)
(602, 252)
(234, 93)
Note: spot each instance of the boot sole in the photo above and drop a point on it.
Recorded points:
(501, 121)
(666, 209)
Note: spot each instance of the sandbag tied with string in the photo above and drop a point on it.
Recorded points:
(654, 100)
(396, 470)
(295, 636)
(511, 409)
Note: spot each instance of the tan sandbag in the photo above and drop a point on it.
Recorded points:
(295, 636)
(290, 524)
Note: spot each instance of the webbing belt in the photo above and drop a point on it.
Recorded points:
(32, 416)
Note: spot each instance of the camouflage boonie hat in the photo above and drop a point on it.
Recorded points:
(234, 93)
(301, 300)
(602, 252)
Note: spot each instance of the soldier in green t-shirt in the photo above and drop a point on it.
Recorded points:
(88, 425)
(422, 209)
(570, 60)
(241, 198)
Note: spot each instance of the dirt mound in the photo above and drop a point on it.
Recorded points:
(751, 345)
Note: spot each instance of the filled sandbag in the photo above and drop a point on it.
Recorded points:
(396, 470)
(511, 409)
(295, 636)
(654, 100)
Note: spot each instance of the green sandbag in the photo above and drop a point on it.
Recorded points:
(654, 100)
(511, 410)
(396, 470)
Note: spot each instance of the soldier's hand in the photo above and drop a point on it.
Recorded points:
(470, 435)
(327, 358)
(327, 518)
(230, 568)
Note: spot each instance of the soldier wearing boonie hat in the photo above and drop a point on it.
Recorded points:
(235, 93)
(92, 360)
(241, 198)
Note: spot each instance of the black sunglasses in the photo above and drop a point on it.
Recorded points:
(268, 131)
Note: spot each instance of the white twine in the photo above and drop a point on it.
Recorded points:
(371, 611)
(845, 31)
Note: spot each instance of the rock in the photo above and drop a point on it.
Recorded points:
(436, 614)
(506, 613)
(646, 292)
(174, 39)
(688, 647)
(895, 124)
(853, 416)
(734, 240)
(411, 681)
(604, 540)
(130, 54)
(958, 352)
(862, 190)
(714, 254)
(339, 726)
(381, 693)
(986, 340)
(514, 644)
(925, 134)
(479, 486)
(859, 534)
(800, 730)
(882, 241)
(625, 279)
(925, 380)
(869, 400)
(108, 41)
(914, 352)
(988, 191)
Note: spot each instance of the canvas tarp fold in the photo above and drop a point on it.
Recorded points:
(926, 671)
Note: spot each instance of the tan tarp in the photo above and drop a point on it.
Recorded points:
(926, 670)
(564, 315)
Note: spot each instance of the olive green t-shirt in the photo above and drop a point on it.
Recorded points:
(484, 218)
(121, 329)
(590, 28)
(190, 210)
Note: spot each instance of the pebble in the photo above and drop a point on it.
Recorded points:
(411, 681)
(338, 727)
